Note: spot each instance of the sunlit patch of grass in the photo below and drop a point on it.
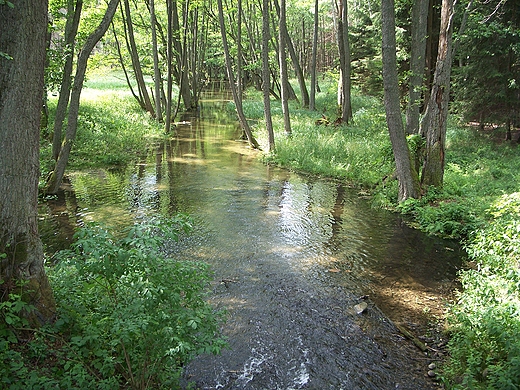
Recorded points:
(358, 153)
(112, 128)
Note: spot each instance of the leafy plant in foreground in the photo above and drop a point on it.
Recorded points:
(128, 316)
(485, 347)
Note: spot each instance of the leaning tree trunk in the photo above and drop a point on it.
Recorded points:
(71, 29)
(145, 101)
(156, 69)
(55, 179)
(238, 103)
(169, 68)
(434, 123)
(406, 174)
(22, 42)
(296, 63)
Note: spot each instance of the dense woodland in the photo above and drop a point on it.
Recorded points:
(429, 61)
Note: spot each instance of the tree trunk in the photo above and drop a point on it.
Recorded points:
(169, 67)
(296, 63)
(240, 59)
(54, 182)
(238, 103)
(266, 79)
(156, 69)
(312, 98)
(417, 64)
(71, 29)
(180, 60)
(22, 37)
(406, 174)
(434, 123)
(344, 59)
(136, 63)
(284, 79)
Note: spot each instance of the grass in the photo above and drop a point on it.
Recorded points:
(112, 128)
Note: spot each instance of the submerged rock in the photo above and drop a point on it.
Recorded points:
(360, 307)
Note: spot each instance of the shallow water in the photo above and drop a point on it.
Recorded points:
(292, 256)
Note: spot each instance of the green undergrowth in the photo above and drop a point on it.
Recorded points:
(479, 205)
(112, 130)
(129, 317)
(359, 153)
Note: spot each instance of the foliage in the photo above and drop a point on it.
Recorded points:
(112, 129)
(487, 78)
(359, 153)
(128, 316)
(485, 347)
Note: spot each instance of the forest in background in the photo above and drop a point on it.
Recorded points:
(169, 51)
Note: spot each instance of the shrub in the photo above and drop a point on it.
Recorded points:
(485, 348)
(128, 316)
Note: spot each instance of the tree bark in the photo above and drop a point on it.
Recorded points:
(71, 29)
(156, 69)
(136, 63)
(296, 63)
(238, 103)
(56, 177)
(434, 123)
(312, 98)
(266, 79)
(23, 33)
(169, 67)
(406, 174)
(417, 64)
(345, 68)
(284, 78)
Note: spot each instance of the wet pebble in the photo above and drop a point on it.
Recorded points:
(360, 307)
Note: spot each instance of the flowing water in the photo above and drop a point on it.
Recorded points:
(292, 256)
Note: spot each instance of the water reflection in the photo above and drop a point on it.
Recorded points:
(288, 242)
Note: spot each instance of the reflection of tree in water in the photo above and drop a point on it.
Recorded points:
(58, 218)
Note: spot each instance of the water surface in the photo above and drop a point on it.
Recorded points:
(292, 256)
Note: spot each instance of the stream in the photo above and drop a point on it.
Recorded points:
(295, 259)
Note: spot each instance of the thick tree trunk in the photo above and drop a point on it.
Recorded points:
(71, 29)
(434, 123)
(238, 103)
(23, 33)
(266, 79)
(417, 64)
(406, 174)
(55, 179)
